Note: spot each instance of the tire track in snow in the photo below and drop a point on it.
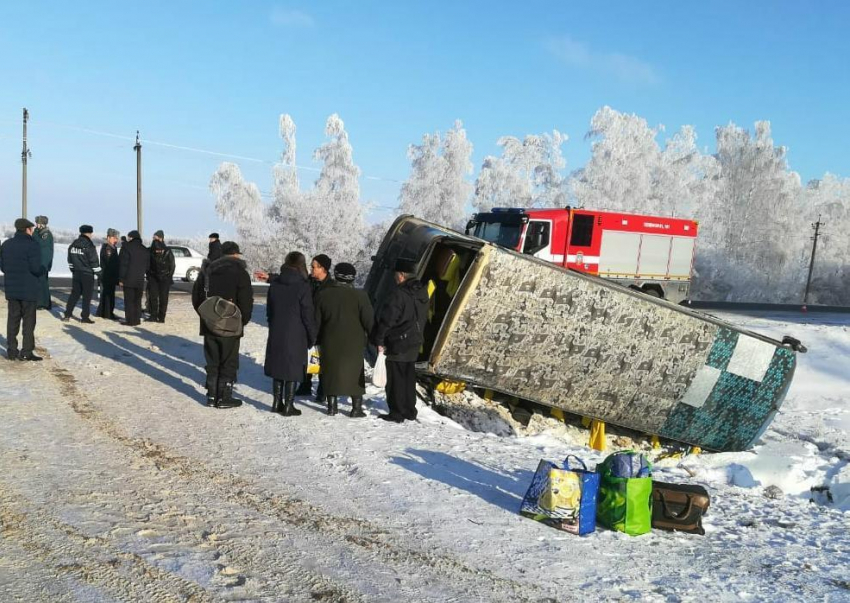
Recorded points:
(93, 560)
(358, 536)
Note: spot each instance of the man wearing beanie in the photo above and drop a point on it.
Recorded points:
(20, 262)
(228, 279)
(344, 317)
(399, 332)
(110, 267)
(133, 263)
(85, 267)
(215, 247)
(44, 238)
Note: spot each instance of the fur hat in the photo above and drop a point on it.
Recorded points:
(345, 272)
(86, 229)
(111, 232)
(229, 248)
(406, 266)
(159, 234)
(22, 224)
(41, 220)
(134, 234)
(213, 235)
(323, 261)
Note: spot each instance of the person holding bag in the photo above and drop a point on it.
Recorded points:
(223, 292)
(292, 331)
(399, 333)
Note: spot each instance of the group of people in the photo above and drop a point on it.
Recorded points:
(128, 264)
(304, 309)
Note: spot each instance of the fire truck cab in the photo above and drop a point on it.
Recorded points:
(650, 253)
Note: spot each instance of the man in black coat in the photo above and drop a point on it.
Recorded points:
(20, 262)
(215, 247)
(226, 277)
(134, 261)
(85, 268)
(399, 331)
(110, 268)
(160, 279)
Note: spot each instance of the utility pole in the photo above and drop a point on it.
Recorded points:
(138, 149)
(25, 154)
(816, 226)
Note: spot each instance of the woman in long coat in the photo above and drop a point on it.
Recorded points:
(345, 317)
(292, 331)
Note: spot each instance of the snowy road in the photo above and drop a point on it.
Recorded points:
(116, 483)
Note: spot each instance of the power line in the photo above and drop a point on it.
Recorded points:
(193, 149)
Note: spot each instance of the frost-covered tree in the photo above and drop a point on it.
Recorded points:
(327, 219)
(750, 237)
(621, 171)
(527, 174)
(333, 219)
(437, 189)
(828, 199)
(629, 171)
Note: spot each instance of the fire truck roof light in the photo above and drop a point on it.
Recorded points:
(508, 210)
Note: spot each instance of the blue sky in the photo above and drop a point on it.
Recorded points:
(216, 75)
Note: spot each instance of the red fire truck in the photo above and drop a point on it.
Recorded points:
(649, 253)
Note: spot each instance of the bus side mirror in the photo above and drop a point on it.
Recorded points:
(469, 226)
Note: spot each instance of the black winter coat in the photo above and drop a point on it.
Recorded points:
(344, 315)
(404, 312)
(292, 326)
(162, 262)
(82, 257)
(109, 264)
(134, 260)
(215, 251)
(20, 262)
(228, 278)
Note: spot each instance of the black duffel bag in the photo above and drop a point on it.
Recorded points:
(679, 507)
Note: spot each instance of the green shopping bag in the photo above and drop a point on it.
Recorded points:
(625, 493)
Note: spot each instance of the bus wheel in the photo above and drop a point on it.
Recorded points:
(654, 292)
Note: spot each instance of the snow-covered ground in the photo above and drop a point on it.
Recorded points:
(116, 483)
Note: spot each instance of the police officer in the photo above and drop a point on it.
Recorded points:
(85, 267)
(109, 277)
(44, 238)
(160, 277)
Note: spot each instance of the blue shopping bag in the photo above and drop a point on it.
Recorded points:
(563, 497)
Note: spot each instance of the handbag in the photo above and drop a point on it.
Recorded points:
(379, 373)
(562, 497)
(625, 493)
(679, 507)
(221, 316)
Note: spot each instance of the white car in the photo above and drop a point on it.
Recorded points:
(187, 262)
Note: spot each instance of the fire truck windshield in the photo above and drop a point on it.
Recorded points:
(502, 233)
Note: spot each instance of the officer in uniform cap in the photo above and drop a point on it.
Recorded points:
(44, 238)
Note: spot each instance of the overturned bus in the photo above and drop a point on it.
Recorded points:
(525, 327)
